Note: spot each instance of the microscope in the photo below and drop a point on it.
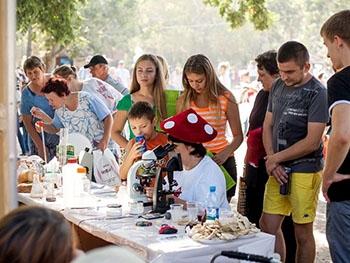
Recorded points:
(142, 172)
(160, 201)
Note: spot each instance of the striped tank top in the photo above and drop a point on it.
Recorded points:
(219, 142)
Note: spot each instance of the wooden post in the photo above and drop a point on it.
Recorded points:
(8, 117)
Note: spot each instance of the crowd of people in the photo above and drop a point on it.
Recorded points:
(284, 130)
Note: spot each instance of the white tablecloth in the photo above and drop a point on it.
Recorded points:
(156, 248)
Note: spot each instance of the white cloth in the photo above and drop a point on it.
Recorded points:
(84, 73)
(195, 183)
(110, 254)
(105, 92)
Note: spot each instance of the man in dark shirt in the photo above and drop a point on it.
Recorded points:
(336, 175)
(294, 123)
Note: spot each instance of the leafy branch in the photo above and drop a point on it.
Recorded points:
(237, 12)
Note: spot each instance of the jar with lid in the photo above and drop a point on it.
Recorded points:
(114, 210)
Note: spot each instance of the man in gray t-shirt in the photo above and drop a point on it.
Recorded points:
(292, 134)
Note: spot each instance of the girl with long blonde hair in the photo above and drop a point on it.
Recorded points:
(204, 93)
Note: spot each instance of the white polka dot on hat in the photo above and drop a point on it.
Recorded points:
(190, 127)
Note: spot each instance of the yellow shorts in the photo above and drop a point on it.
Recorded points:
(302, 200)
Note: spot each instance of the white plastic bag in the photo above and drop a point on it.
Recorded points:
(106, 168)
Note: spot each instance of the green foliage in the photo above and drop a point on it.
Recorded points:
(109, 25)
(58, 20)
(238, 11)
(176, 29)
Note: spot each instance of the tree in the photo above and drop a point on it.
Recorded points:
(56, 23)
(109, 25)
(238, 11)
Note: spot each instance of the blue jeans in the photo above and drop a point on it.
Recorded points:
(21, 139)
(338, 231)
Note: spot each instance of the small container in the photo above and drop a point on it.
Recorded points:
(114, 210)
(70, 151)
(37, 188)
(86, 184)
(50, 194)
(226, 216)
(176, 212)
(142, 140)
(136, 208)
(192, 211)
(285, 188)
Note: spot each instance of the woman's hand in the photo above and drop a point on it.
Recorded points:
(40, 114)
(102, 145)
(221, 157)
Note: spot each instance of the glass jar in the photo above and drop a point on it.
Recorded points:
(114, 210)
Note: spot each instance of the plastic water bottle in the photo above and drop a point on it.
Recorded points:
(72, 183)
(212, 204)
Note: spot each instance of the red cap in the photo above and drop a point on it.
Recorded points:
(188, 126)
(72, 160)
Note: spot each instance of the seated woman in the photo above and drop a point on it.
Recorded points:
(80, 112)
(36, 234)
(187, 131)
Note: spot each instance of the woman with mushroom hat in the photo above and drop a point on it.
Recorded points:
(187, 131)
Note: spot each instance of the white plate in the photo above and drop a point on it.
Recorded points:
(246, 236)
(220, 241)
(212, 242)
(79, 141)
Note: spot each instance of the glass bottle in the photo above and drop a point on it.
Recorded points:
(22, 167)
(37, 188)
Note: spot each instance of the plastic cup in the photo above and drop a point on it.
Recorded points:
(225, 216)
(192, 211)
(176, 212)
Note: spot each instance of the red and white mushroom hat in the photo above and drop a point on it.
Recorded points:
(188, 126)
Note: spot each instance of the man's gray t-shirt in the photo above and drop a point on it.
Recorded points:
(293, 108)
(116, 84)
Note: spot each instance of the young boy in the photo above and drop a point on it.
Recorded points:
(142, 122)
(336, 183)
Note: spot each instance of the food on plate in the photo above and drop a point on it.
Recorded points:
(216, 230)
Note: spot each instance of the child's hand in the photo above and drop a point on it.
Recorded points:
(136, 151)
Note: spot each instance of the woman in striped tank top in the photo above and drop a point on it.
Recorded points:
(204, 93)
